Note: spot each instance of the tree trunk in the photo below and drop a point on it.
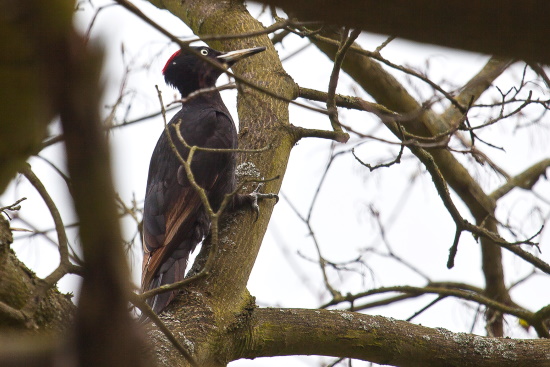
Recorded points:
(218, 300)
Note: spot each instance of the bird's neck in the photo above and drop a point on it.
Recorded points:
(211, 99)
(192, 93)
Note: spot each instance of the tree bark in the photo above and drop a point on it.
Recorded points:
(17, 284)
(275, 331)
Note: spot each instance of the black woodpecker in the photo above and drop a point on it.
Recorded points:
(174, 219)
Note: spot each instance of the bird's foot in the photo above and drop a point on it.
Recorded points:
(256, 195)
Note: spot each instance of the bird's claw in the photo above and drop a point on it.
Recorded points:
(256, 195)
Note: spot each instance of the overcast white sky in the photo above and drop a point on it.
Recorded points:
(421, 231)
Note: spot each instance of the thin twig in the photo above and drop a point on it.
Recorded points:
(345, 44)
(202, 91)
(59, 227)
(525, 180)
(417, 313)
(13, 207)
(397, 159)
(384, 44)
(442, 291)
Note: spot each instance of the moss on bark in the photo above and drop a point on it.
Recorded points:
(17, 282)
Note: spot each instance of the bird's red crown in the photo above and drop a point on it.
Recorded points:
(170, 60)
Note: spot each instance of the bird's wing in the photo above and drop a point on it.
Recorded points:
(173, 214)
(171, 227)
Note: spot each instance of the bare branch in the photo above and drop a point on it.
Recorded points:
(348, 102)
(345, 44)
(397, 159)
(12, 207)
(525, 180)
(300, 133)
(467, 295)
(65, 265)
(381, 340)
(475, 87)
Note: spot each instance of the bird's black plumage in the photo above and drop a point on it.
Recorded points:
(174, 219)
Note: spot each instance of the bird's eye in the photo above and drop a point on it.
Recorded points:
(204, 52)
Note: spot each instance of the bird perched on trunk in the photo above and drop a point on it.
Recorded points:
(174, 218)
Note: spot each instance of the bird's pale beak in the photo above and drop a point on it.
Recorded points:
(233, 56)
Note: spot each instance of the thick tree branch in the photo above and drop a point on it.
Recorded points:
(105, 334)
(525, 180)
(469, 94)
(475, 88)
(351, 102)
(301, 132)
(514, 30)
(148, 311)
(275, 331)
(63, 242)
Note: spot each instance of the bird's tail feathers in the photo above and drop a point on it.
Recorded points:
(173, 270)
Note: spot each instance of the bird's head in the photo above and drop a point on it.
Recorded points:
(189, 72)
